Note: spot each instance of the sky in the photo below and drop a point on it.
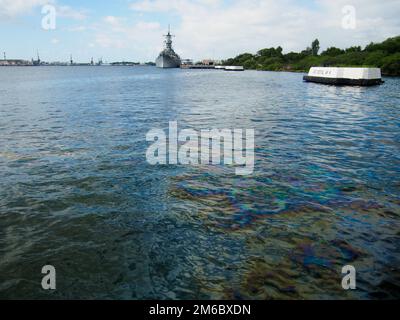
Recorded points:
(132, 30)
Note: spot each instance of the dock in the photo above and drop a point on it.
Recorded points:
(194, 66)
(212, 67)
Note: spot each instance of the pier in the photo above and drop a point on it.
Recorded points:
(212, 67)
(185, 66)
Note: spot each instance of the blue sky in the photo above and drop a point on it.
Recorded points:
(132, 30)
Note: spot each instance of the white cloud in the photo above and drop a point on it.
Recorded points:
(108, 41)
(68, 12)
(142, 39)
(12, 8)
(77, 28)
(115, 23)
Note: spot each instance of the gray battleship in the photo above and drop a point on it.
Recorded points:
(168, 58)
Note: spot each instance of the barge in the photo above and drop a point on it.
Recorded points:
(234, 68)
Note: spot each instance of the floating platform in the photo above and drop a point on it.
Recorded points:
(234, 68)
(209, 67)
(196, 66)
(345, 76)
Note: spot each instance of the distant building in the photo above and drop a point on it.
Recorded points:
(210, 62)
(187, 62)
(15, 62)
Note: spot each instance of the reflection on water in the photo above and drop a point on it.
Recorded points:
(76, 192)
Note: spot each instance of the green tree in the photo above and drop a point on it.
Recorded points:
(270, 52)
(315, 47)
(353, 49)
(332, 52)
(375, 59)
(293, 56)
(391, 65)
(391, 45)
(307, 52)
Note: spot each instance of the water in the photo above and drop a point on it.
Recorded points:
(76, 191)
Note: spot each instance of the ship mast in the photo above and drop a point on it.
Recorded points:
(168, 41)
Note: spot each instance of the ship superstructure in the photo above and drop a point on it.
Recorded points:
(168, 58)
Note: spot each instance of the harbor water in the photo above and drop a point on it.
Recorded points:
(76, 191)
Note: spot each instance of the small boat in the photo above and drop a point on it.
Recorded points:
(345, 76)
(234, 68)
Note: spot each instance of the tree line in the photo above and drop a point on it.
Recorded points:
(384, 55)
